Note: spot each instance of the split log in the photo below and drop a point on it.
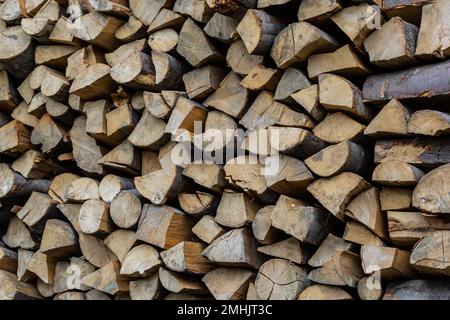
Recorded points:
(187, 257)
(328, 248)
(290, 249)
(197, 10)
(265, 112)
(430, 254)
(407, 228)
(82, 189)
(302, 221)
(338, 94)
(262, 227)
(145, 289)
(228, 283)
(400, 38)
(389, 263)
(258, 30)
(123, 158)
(23, 259)
(198, 203)
(292, 81)
(37, 210)
(93, 82)
(410, 10)
(43, 266)
(366, 209)
(94, 218)
(236, 210)
(12, 289)
(338, 127)
(211, 176)
(33, 165)
(429, 123)
(345, 156)
(59, 186)
(131, 30)
(420, 152)
(234, 248)
(18, 235)
(59, 239)
(336, 192)
(222, 27)
(239, 60)
(163, 226)
(397, 174)
(141, 261)
(20, 113)
(247, 174)
(178, 283)
(344, 269)
(15, 138)
(195, 47)
(201, 82)
(86, 152)
(428, 44)
(207, 229)
(392, 120)
(107, 279)
(166, 19)
(359, 234)
(431, 193)
(271, 284)
(261, 78)
(311, 10)
(49, 134)
(343, 62)
(290, 47)
(95, 251)
(231, 97)
(395, 198)
(120, 242)
(358, 22)
(8, 260)
(184, 117)
(324, 292)
(111, 185)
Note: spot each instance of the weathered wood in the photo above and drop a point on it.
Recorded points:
(187, 257)
(328, 248)
(59, 239)
(236, 210)
(290, 47)
(397, 174)
(140, 261)
(239, 60)
(360, 234)
(338, 127)
(429, 123)
(430, 254)
(228, 283)
(324, 292)
(107, 279)
(302, 221)
(177, 283)
(395, 198)
(392, 120)
(290, 249)
(207, 229)
(271, 284)
(12, 289)
(418, 290)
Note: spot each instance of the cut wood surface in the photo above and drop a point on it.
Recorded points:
(224, 149)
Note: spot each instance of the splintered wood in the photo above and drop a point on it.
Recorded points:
(224, 149)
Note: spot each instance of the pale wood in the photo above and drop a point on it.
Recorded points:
(120, 242)
(358, 233)
(179, 283)
(291, 47)
(12, 289)
(95, 251)
(37, 210)
(345, 156)
(280, 279)
(82, 189)
(236, 210)
(429, 123)
(207, 229)
(400, 37)
(198, 203)
(426, 289)
(146, 289)
(344, 62)
(201, 82)
(15, 138)
(407, 228)
(389, 263)
(187, 257)
(111, 185)
(228, 283)
(392, 120)
(234, 248)
(222, 27)
(59, 239)
(338, 127)
(59, 185)
(292, 81)
(397, 174)
(336, 192)
(290, 249)
(107, 279)
(262, 227)
(344, 269)
(328, 248)
(301, 220)
(370, 288)
(43, 266)
(94, 218)
(163, 226)
(141, 261)
(18, 235)
(430, 254)
(395, 198)
(311, 10)
(239, 60)
(125, 209)
(34, 165)
(324, 292)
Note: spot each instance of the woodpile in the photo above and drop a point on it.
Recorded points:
(323, 129)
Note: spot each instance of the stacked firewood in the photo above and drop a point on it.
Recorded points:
(330, 119)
